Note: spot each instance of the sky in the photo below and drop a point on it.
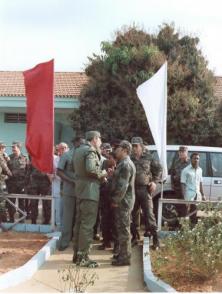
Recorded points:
(34, 31)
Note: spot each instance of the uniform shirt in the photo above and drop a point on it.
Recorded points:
(122, 187)
(17, 165)
(192, 177)
(176, 170)
(65, 164)
(88, 172)
(147, 169)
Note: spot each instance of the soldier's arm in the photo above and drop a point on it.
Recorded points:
(5, 168)
(63, 176)
(156, 170)
(93, 169)
(121, 183)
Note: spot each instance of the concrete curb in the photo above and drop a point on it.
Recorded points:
(152, 282)
(25, 272)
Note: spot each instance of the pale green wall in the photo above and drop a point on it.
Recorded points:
(17, 131)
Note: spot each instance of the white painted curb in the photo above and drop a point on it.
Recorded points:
(25, 272)
(153, 283)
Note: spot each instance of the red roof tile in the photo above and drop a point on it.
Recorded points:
(67, 84)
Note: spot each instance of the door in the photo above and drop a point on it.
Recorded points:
(216, 180)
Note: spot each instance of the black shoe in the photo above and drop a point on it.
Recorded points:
(96, 237)
(156, 243)
(147, 234)
(120, 262)
(74, 258)
(62, 248)
(104, 246)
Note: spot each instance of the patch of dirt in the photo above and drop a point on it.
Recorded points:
(16, 248)
(168, 272)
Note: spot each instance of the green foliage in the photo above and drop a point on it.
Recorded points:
(109, 102)
(197, 251)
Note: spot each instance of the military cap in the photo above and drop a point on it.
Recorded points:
(2, 144)
(17, 143)
(92, 134)
(183, 148)
(106, 146)
(126, 145)
(136, 140)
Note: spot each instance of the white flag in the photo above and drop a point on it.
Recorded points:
(153, 96)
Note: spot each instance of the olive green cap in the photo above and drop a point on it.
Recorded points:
(92, 134)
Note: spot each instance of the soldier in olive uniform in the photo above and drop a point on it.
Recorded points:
(176, 170)
(65, 170)
(38, 183)
(88, 176)
(123, 198)
(16, 184)
(4, 174)
(148, 172)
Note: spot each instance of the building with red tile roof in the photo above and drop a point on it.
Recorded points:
(68, 86)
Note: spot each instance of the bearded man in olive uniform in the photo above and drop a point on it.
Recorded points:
(148, 172)
(88, 176)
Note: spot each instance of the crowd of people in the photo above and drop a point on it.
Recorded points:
(98, 188)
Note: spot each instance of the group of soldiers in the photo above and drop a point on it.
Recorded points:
(114, 181)
(19, 176)
(109, 183)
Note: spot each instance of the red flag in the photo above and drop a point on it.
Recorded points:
(40, 115)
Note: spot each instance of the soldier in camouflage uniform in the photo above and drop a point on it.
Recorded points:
(88, 176)
(16, 184)
(148, 172)
(176, 170)
(38, 183)
(4, 174)
(123, 198)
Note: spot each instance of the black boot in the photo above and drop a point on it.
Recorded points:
(156, 243)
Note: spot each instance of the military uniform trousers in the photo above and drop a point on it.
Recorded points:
(14, 187)
(144, 201)
(69, 207)
(86, 214)
(181, 208)
(45, 203)
(107, 221)
(122, 218)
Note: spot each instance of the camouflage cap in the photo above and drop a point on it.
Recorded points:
(92, 134)
(17, 143)
(126, 145)
(183, 148)
(106, 146)
(2, 144)
(136, 140)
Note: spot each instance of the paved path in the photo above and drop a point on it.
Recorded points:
(111, 279)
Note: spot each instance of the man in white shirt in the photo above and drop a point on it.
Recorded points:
(191, 183)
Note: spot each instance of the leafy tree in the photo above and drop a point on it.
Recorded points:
(109, 102)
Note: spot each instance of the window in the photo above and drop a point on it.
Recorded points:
(170, 158)
(15, 118)
(216, 164)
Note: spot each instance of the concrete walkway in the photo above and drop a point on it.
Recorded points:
(111, 279)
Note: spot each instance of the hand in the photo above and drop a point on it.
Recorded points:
(114, 205)
(110, 172)
(152, 187)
